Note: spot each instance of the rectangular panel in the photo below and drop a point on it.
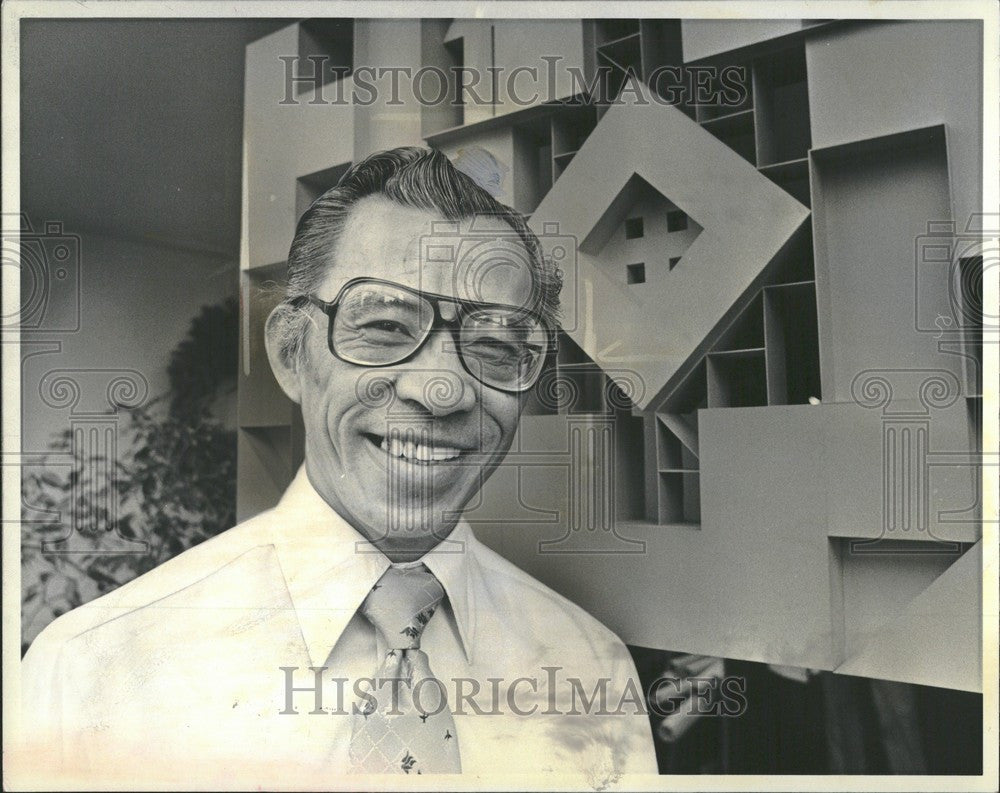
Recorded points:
(704, 38)
(900, 471)
(324, 133)
(878, 587)
(878, 79)
(872, 200)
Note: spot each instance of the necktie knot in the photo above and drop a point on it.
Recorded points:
(401, 604)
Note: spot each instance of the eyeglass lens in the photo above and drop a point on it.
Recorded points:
(377, 324)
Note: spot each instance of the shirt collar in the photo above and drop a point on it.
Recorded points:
(453, 562)
(329, 568)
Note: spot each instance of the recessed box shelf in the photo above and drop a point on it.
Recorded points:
(732, 355)
(571, 126)
(792, 343)
(587, 383)
(781, 105)
(533, 163)
(736, 120)
(736, 130)
(679, 497)
(746, 331)
(623, 52)
(328, 44)
(777, 169)
(672, 453)
(736, 378)
(792, 176)
(610, 30)
(722, 108)
(560, 163)
(634, 36)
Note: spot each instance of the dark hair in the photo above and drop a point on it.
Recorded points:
(412, 177)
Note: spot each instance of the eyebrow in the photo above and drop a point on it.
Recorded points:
(408, 295)
(367, 305)
(366, 297)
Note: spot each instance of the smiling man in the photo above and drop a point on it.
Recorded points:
(359, 626)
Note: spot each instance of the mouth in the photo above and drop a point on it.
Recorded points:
(417, 452)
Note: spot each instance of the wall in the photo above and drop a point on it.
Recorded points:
(136, 301)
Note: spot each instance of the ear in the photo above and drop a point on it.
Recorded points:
(284, 365)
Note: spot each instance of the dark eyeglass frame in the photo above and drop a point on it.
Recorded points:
(464, 308)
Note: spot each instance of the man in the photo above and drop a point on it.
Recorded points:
(359, 627)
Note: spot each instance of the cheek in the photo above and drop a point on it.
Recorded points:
(313, 391)
(505, 410)
(325, 391)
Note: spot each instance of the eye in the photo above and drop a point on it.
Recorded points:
(388, 327)
(496, 349)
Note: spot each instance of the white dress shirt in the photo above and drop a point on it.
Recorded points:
(183, 674)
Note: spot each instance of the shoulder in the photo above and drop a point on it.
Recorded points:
(540, 611)
(183, 573)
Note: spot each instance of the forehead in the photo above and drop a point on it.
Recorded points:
(480, 258)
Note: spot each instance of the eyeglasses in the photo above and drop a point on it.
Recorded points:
(379, 323)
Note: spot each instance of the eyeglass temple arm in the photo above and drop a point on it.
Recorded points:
(320, 304)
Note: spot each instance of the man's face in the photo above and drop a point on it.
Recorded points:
(359, 455)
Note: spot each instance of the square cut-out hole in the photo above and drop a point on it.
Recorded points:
(633, 228)
(677, 221)
(636, 273)
(674, 261)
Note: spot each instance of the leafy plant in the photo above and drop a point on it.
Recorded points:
(91, 524)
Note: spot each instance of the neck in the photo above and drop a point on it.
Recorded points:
(407, 545)
(408, 549)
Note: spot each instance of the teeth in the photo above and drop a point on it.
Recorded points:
(418, 451)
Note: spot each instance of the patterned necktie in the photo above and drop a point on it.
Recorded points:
(402, 723)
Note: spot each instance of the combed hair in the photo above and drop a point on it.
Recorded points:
(413, 177)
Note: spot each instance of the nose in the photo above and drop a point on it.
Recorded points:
(436, 380)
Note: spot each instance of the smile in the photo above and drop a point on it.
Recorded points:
(414, 451)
